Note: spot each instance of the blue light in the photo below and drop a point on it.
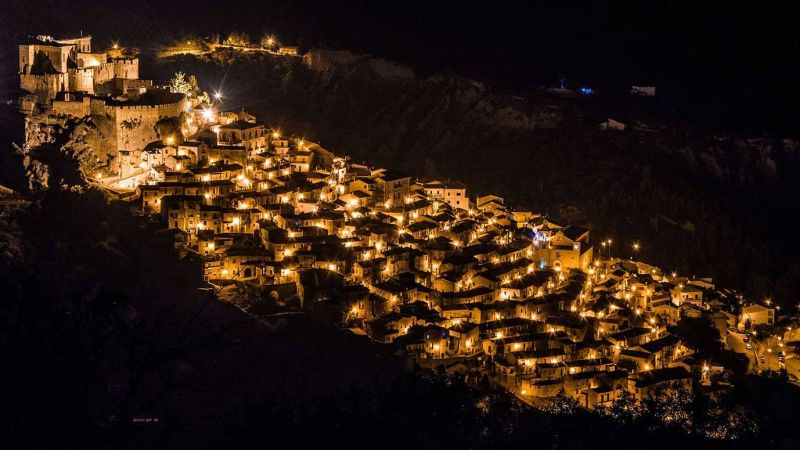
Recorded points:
(586, 91)
(541, 264)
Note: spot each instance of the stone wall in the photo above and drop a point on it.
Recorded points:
(126, 68)
(103, 72)
(45, 86)
(77, 109)
(81, 80)
(124, 84)
(135, 125)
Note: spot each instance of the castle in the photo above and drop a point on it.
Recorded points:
(48, 66)
(66, 78)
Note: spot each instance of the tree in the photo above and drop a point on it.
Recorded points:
(627, 364)
(699, 333)
(188, 87)
(238, 38)
(194, 87)
(179, 85)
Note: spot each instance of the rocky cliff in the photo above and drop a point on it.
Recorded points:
(61, 152)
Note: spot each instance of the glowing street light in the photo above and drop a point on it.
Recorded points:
(208, 114)
(218, 95)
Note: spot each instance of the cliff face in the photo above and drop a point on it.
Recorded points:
(61, 152)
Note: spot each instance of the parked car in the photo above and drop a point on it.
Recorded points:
(746, 338)
(781, 357)
(763, 360)
(749, 346)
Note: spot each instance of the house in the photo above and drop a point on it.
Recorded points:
(464, 339)
(389, 327)
(250, 135)
(395, 187)
(532, 385)
(568, 248)
(289, 51)
(756, 314)
(452, 193)
(686, 293)
(644, 384)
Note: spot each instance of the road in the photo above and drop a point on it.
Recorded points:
(737, 344)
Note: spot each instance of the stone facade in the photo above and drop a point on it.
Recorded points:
(48, 66)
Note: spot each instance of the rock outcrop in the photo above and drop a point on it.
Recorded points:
(61, 152)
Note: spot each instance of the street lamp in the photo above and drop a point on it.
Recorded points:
(218, 95)
(769, 358)
(636, 250)
(208, 114)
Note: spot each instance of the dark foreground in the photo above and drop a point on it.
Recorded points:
(108, 342)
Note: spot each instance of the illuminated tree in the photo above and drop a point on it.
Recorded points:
(238, 38)
(189, 87)
(178, 84)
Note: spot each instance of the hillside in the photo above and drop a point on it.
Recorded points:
(698, 201)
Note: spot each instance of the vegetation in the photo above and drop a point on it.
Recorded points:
(189, 87)
(238, 38)
(437, 410)
(111, 341)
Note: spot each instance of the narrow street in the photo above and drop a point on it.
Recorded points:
(737, 344)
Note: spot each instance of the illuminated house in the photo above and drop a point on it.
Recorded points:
(250, 135)
(644, 384)
(756, 314)
(452, 193)
(568, 248)
(686, 293)
(395, 187)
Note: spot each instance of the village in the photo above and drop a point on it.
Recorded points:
(426, 266)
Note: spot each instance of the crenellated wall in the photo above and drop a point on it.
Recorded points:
(134, 126)
(126, 68)
(77, 109)
(45, 86)
(81, 80)
(103, 72)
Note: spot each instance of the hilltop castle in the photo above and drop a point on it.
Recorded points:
(65, 78)
(48, 66)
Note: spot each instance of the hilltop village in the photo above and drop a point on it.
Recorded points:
(443, 275)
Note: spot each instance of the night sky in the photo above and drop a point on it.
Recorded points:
(719, 65)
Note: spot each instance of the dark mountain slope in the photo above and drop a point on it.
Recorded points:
(719, 205)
